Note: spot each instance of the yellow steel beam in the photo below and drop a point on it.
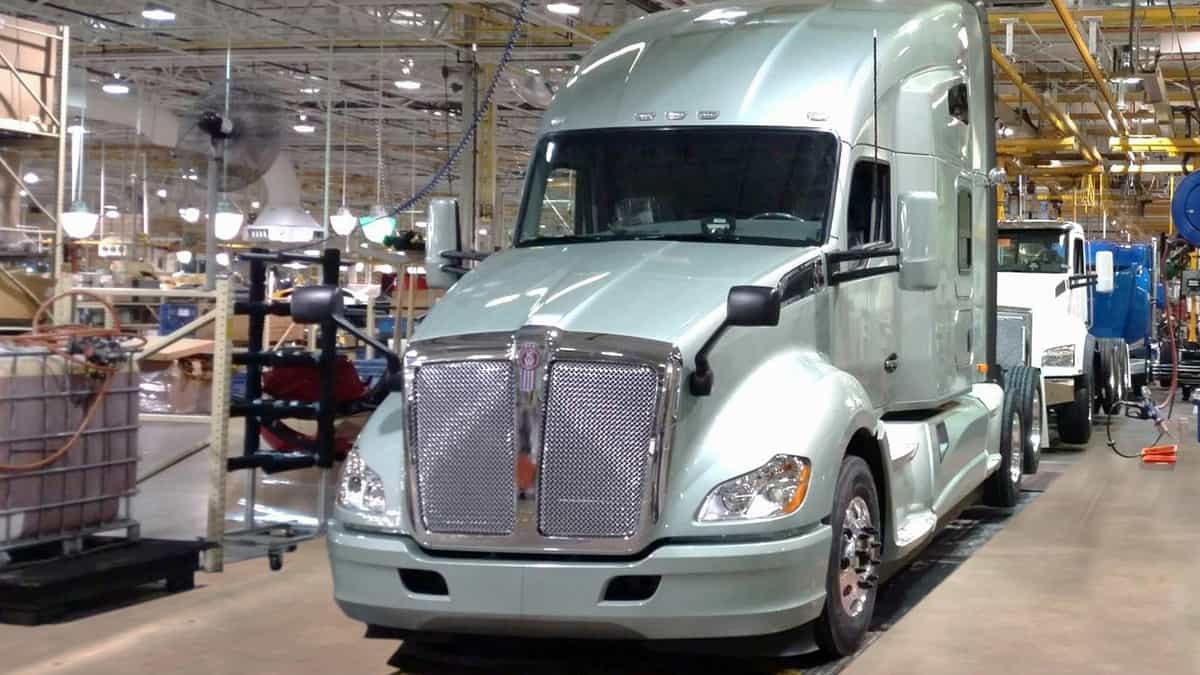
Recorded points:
(1101, 81)
(1171, 146)
(1083, 170)
(1061, 121)
(1029, 146)
(1147, 18)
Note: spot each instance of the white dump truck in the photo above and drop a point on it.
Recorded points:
(738, 365)
(1044, 321)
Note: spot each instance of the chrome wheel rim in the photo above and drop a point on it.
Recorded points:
(1014, 448)
(859, 557)
(1035, 422)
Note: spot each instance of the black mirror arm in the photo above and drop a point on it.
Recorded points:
(393, 361)
(701, 380)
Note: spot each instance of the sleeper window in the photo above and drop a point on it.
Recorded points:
(869, 214)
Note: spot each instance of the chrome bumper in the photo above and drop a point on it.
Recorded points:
(706, 590)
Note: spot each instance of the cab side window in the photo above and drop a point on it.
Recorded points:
(1077, 261)
(869, 214)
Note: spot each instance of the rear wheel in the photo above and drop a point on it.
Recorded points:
(852, 577)
(1075, 419)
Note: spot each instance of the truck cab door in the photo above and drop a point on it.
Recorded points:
(864, 310)
(1078, 298)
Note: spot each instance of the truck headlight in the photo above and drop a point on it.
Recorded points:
(360, 488)
(1062, 356)
(776, 488)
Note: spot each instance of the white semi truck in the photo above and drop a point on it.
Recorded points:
(739, 363)
(1044, 321)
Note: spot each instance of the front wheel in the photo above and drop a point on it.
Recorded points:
(853, 574)
(1075, 419)
(1024, 386)
(1003, 487)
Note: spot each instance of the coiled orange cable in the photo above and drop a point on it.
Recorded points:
(54, 339)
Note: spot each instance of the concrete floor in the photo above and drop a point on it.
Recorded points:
(1095, 575)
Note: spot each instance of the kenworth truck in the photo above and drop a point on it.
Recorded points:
(739, 363)
(1047, 300)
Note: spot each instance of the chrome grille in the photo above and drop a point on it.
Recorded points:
(1011, 339)
(465, 447)
(600, 420)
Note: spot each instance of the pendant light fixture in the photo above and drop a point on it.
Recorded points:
(379, 224)
(78, 221)
(343, 221)
(227, 224)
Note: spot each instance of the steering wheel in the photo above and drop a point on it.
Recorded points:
(773, 215)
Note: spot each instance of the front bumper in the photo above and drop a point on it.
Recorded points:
(706, 589)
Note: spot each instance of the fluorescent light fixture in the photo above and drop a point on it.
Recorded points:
(190, 214)
(79, 221)
(184, 257)
(157, 13)
(343, 222)
(228, 221)
(378, 224)
(310, 90)
(30, 178)
(115, 88)
(409, 85)
(255, 204)
(161, 193)
(312, 251)
(420, 224)
(223, 259)
(483, 231)
(564, 8)
(112, 213)
(304, 126)
(358, 267)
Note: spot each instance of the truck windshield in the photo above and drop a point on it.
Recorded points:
(740, 185)
(1043, 251)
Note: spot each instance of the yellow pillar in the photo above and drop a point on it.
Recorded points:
(1191, 329)
(485, 174)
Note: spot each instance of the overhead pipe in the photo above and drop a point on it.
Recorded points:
(1090, 63)
(1061, 121)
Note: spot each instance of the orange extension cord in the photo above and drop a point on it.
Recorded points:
(53, 339)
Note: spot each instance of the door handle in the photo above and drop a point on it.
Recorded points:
(891, 363)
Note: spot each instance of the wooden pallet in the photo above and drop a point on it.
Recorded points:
(38, 591)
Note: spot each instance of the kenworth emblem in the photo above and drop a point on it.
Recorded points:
(529, 357)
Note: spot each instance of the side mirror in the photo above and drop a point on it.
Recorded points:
(314, 304)
(1105, 282)
(752, 306)
(920, 262)
(745, 306)
(441, 234)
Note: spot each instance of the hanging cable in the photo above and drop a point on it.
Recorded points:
(476, 118)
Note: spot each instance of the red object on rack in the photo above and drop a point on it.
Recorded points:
(303, 383)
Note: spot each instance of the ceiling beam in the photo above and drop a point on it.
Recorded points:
(1090, 64)
(1048, 21)
(1061, 121)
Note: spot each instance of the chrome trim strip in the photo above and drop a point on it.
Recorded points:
(551, 345)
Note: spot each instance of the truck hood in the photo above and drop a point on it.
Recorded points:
(662, 290)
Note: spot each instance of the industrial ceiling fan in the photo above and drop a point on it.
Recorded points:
(235, 130)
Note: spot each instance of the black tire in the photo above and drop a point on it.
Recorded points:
(838, 631)
(1108, 377)
(1075, 419)
(1024, 386)
(1003, 487)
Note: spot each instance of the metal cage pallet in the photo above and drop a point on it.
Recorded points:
(90, 488)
